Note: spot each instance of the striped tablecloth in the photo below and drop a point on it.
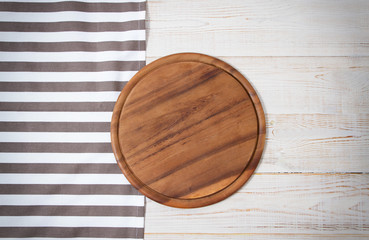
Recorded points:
(62, 67)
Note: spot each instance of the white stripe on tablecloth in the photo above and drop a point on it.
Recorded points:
(105, 96)
(70, 221)
(45, 178)
(8, 116)
(71, 16)
(72, 36)
(72, 56)
(75, 158)
(62, 137)
(71, 200)
(67, 76)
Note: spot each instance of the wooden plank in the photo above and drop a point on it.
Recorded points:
(259, 28)
(305, 85)
(292, 206)
(252, 236)
(316, 143)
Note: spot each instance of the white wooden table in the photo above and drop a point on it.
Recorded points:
(309, 62)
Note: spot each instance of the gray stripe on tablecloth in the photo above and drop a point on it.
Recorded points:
(71, 6)
(54, 126)
(71, 66)
(59, 168)
(66, 232)
(69, 189)
(57, 106)
(72, 26)
(72, 211)
(72, 46)
(61, 86)
(56, 147)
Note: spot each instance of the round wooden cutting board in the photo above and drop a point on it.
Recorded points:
(188, 130)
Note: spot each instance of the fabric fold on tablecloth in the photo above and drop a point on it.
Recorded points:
(62, 67)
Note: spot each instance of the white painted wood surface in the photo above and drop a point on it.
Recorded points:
(272, 205)
(259, 28)
(309, 62)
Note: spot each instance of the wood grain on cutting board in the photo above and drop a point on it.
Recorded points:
(203, 125)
